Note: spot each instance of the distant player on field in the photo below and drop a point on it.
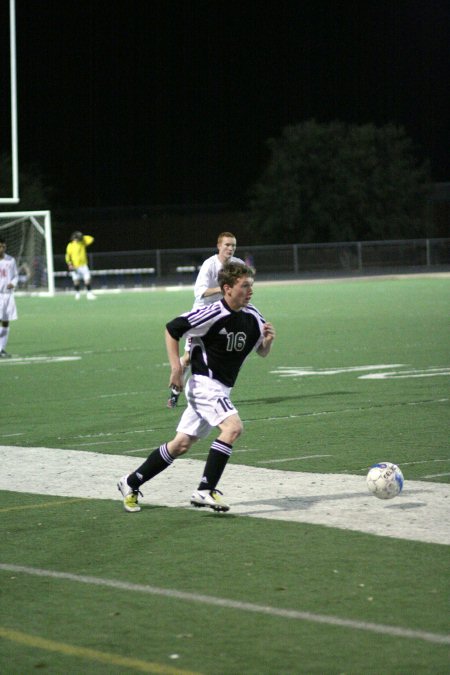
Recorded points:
(9, 278)
(207, 289)
(76, 259)
(223, 335)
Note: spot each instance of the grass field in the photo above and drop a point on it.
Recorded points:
(358, 374)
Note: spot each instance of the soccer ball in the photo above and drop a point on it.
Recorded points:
(385, 480)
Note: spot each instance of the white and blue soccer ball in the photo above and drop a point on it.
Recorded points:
(385, 480)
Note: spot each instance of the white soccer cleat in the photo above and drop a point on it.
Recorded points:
(210, 498)
(77, 296)
(91, 296)
(130, 496)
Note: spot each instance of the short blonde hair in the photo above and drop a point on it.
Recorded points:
(222, 235)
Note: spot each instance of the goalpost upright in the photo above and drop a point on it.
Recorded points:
(14, 197)
(15, 162)
(26, 231)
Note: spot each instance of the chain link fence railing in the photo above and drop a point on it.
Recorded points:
(180, 266)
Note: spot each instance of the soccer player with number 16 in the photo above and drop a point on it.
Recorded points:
(222, 335)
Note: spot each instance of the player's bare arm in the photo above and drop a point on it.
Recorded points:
(269, 336)
(176, 370)
(211, 291)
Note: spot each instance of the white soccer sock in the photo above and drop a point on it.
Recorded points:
(4, 331)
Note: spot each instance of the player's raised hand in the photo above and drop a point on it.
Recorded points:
(268, 338)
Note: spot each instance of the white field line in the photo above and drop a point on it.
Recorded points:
(290, 459)
(33, 360)
(427, 461)
(420, 513)
(383, 629)
(302, 371)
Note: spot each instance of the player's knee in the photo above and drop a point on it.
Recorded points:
(180, 445)
(237, 431)
(231, 429)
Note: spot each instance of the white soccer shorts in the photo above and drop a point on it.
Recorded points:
(82, 273)
(208, 405)
(8, 310)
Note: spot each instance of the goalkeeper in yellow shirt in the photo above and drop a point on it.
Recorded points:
(77, 262)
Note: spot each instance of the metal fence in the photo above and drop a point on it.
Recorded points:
(165, 266)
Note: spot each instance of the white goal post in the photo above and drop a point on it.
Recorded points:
(14, 197)
(28, 236)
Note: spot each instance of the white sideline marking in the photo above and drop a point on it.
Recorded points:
(290, 459)
(427, 461)
(89, 445)
(407, 374)
(307, 371)
(123, 393)
(420, 513)
(383, 629)
(302, 371)
(33, 360)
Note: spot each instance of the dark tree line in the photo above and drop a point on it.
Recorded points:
(322, 182)
(339, 182)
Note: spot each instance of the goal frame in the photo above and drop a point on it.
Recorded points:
(15, 217)
(14, 198)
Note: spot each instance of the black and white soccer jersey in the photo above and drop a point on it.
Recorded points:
(221, 338)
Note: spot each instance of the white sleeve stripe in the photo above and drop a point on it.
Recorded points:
(203, 315)
(253, 310)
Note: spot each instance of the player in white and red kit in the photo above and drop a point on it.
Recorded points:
(9, 277)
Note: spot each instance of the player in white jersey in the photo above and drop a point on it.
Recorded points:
(9, 277)
(223, 335)
(207, 289)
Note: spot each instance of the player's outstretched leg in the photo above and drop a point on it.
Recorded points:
(129, 485)
(130, 496)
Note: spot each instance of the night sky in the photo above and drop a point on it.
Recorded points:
(171, 101)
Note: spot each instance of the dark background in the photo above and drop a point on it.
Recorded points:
(170, 102)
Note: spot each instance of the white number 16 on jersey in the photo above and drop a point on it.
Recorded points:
(236, 341)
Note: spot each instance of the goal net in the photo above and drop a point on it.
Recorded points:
(28, 236)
